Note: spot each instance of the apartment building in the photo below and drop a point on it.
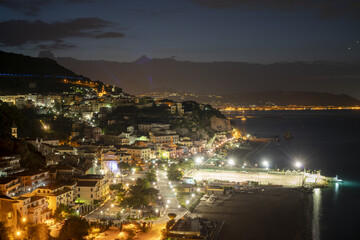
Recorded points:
(137, 153)
(56, 194)
(164, 138)
(33, 208)
(9, 164)
(32, 179)
(10, 186)
(91, 188)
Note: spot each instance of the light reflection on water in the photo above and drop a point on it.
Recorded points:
(316, 214)
(336, 192)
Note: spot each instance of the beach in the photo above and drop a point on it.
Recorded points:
(274, 213)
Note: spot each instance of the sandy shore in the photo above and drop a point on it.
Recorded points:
(275, 213)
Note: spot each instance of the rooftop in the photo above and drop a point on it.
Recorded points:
(5, 180)
(91, 176)
(86, 183)
(29, 173)
(187, 225)
(4, 197)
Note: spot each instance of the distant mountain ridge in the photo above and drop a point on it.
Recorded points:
(146, 74)
(292, 98)
(269, 98)
(21, 64)
(20, 74)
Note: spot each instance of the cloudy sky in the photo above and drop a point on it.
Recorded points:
(258, 31)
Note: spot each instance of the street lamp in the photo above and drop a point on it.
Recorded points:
(231, 162)
(266, 164)
(298, 164)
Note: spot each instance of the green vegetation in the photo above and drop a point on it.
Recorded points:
(74, 228)
(42, 73)
(120, 191)
(25, 119)
(151, 176)
(140, 195)
(174, 172)
(124, 166)
(117, 187)
(38, 232)
(61, 128)
(196, 125)
(63, 212)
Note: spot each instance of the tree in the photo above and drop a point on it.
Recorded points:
(63, 212)
(74, 228)
(174, 174)
(38, 232)
(117, 187)
(141, 194)
(124, 166)
(151, 176)
(4, 232)
(186, 165)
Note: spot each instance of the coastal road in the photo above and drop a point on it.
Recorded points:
(167, 194)
(155, 231)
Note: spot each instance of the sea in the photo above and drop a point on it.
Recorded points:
(325, 140)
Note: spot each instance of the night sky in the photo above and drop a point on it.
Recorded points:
(259, 31)
(262, 32)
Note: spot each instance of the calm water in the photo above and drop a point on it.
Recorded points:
(328, 141)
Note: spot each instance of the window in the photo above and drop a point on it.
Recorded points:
(91, 196)
(78, 195)
(79, 189)
(91, 189)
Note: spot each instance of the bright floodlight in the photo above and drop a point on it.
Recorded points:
(198, 160)
(298, 164)
(231, 162)
(265, 163)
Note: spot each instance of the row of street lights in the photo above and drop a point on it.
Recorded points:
(265, 163)
(297, 164)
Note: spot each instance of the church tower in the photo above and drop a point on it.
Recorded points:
(14, 130)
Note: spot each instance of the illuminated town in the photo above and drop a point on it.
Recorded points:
(179, 120)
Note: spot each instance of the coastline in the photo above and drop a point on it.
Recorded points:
(272, 213)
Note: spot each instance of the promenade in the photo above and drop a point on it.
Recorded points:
(260, 177)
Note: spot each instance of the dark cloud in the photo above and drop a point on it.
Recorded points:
(110, 35)
(160, 13)
(21, 32)
(33, 7)
(59, 44)
(324, 8)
